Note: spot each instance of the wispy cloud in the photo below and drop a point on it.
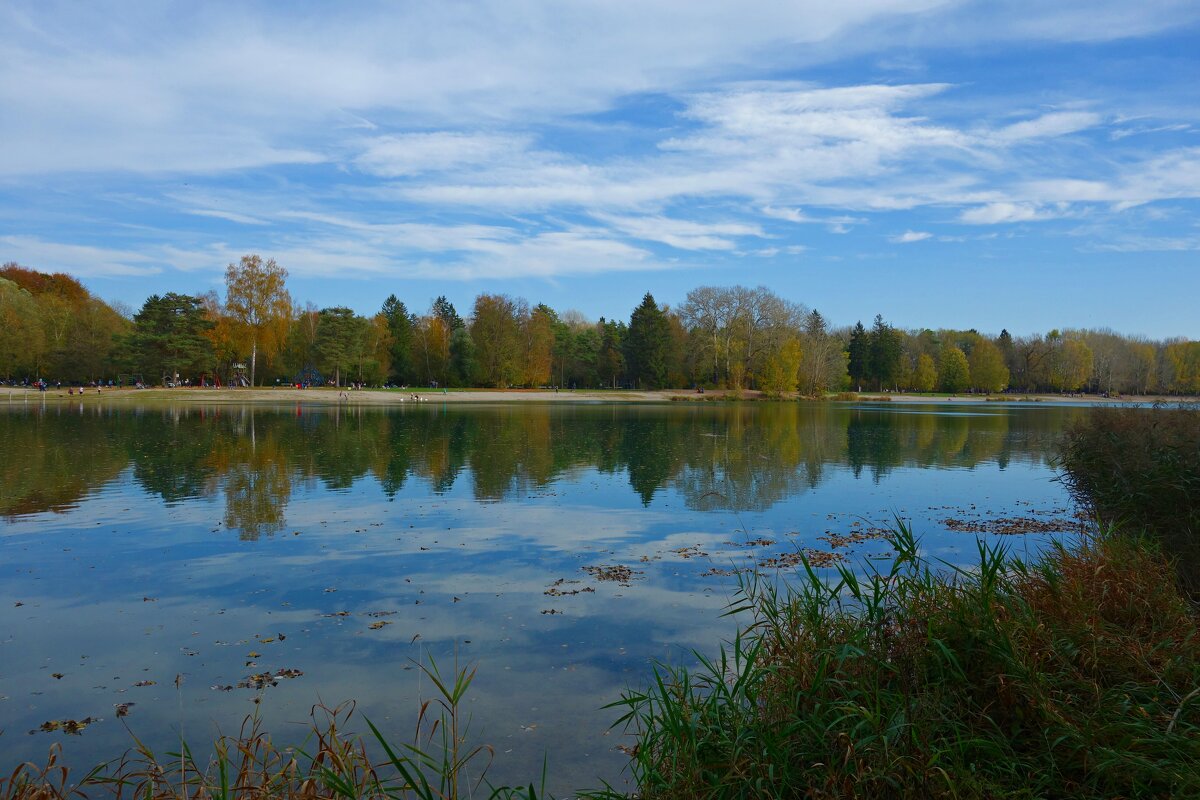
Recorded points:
(993, 213)
(487, 141)
(414, 153)
(229, 216)
(85, 261)
(682, 234)
(1058, 123)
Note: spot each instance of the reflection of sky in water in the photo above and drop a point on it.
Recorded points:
(464, 567)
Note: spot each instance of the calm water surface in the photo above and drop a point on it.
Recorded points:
(137, 544)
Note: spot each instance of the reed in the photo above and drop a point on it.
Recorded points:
(330, 764)
(1139, 469)
(1073, 676)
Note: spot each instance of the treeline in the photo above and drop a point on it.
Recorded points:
(719, 337)
(52, 325)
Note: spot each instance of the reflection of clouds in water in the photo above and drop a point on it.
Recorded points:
(389, 515)
(524, 664)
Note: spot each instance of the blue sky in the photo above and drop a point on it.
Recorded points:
(1027, 165)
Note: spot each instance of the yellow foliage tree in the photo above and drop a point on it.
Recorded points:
(988, 373)
(925, 375)
(954, 373)
(781, 369)
(538, 335)
(256, 298)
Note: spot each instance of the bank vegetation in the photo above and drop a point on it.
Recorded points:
(256, 333)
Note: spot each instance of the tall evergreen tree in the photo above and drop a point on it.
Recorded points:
(647, 345)
(610, 358)
(341, 339)
(886, 350)
(443, 309)
(859, 355)
(400, 325)
(464, 365)
(168, 338)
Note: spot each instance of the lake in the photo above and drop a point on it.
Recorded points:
(138, 544)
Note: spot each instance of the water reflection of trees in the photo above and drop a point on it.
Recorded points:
(742, 457)
(51, 461)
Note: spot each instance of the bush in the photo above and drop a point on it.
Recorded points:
(1072, 677)
(1140, 469)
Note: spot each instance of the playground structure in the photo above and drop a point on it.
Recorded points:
(309, 376)
(238, 378)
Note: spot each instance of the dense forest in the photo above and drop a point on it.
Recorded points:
(52, 328)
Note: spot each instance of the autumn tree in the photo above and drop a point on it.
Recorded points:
(781, 372)
(256, 298)
(376, 362)
(925, 374)
(822, 357)
(496, 332)
(988, 372)
(537, 344)
(706, 312)
(431, 349)
(1069, 365)
(1183, 360)
(954, 373)
(21, 337)
(66, 331)
(223, 333)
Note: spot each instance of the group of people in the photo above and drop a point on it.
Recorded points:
(42, 385)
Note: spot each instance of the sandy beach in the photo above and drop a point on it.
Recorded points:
(398, 397)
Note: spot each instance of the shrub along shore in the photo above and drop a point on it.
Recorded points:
(1073, 675)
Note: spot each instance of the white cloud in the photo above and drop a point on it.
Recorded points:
(415, 116)
(343, 247)
(1167, 175)
(1058, 123)
(79, 260)
(994, 213)
(229, 216)
(682, 234)
(1149, 244)
(409, 154)
(112, 86)
(836, 224)
(909, 236)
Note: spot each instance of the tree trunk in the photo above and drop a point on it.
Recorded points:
(253, 360)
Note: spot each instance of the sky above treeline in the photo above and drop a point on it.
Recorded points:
(1019, 165)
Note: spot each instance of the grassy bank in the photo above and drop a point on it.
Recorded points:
(1072, 676)
(1140, 470)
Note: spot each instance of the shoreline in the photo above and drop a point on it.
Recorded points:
(401, 397)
